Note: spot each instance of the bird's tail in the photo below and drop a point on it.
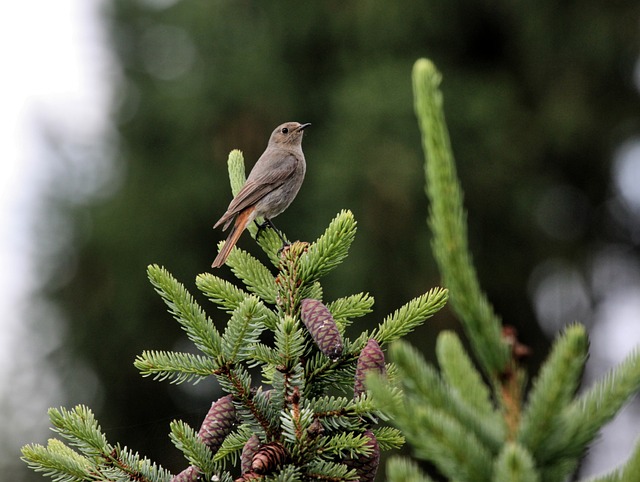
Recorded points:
(242, 221)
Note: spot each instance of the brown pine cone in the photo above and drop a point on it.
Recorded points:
(190, 474)
(218, 423)
(322, 327)
(249, 450)
(268, 458)
(371, 359)
(366, 465)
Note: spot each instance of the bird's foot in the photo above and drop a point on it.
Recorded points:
(268, 224)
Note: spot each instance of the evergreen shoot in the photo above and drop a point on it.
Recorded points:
(474, 422)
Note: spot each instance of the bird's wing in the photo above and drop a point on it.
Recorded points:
(255, 188)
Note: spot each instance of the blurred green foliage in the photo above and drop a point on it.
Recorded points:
(537, 95)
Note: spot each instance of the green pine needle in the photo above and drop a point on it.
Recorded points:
(346, 444)
(401, 469)
(221, 292)
(186, 311)
(330, 249)
(389, 438)
(460, 373)
(437, 437)
(195, 451)
(243, 331)
(229, 297)
(344, 310)
(559, 470)
(330, 471)
(552, 392)
(253, 274)
(290, 342)
(515, 464)
(295, 423)
(174, 366)
(418, 376)
(135, 467)
(58, 461)
(632, 467)
(235, 165)
(598, 405)
(80, 427)
(313, 291)
(410, 316)
(423, 383)
(448, 223)
(231, 448)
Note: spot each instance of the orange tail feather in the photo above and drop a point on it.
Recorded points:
(242, 220)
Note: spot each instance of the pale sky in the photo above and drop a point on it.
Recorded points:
(56, 71)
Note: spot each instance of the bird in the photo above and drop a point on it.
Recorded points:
(271, 186)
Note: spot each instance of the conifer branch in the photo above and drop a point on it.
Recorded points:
(586, 415)
(330, 249)
(447, 220)
(515, 464)
(290, 342)
(424, 382)
(243, 331)
(229, 297)
(461, 375)
(175, 367)
(389, 438)
(221, 292)
(58, 461)
(331, 472)
(187, 441)
(288, 283)
(344, 310)
(632, 467)
(456, 452)
(345, 444)
(186, 311)
(96, 459)
(410, 316)
(81, 429)
(399, 469)
(230, 450)
(237, 175)
(552, 391)
(253, 274)
(137, 468)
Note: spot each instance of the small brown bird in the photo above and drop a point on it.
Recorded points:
(271, 186)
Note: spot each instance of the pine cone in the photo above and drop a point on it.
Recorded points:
(190, 474)
(268, 458)
(366, 465)
(218, 423)
(322, 327)
(371, 359)
(249, 450)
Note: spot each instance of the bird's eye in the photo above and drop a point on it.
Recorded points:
(285, 130)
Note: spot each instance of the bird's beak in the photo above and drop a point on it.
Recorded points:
(303, 126)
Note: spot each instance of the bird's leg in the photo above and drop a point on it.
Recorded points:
(261, 227)
(268, 224)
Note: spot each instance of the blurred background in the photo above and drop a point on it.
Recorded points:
(117, 119)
